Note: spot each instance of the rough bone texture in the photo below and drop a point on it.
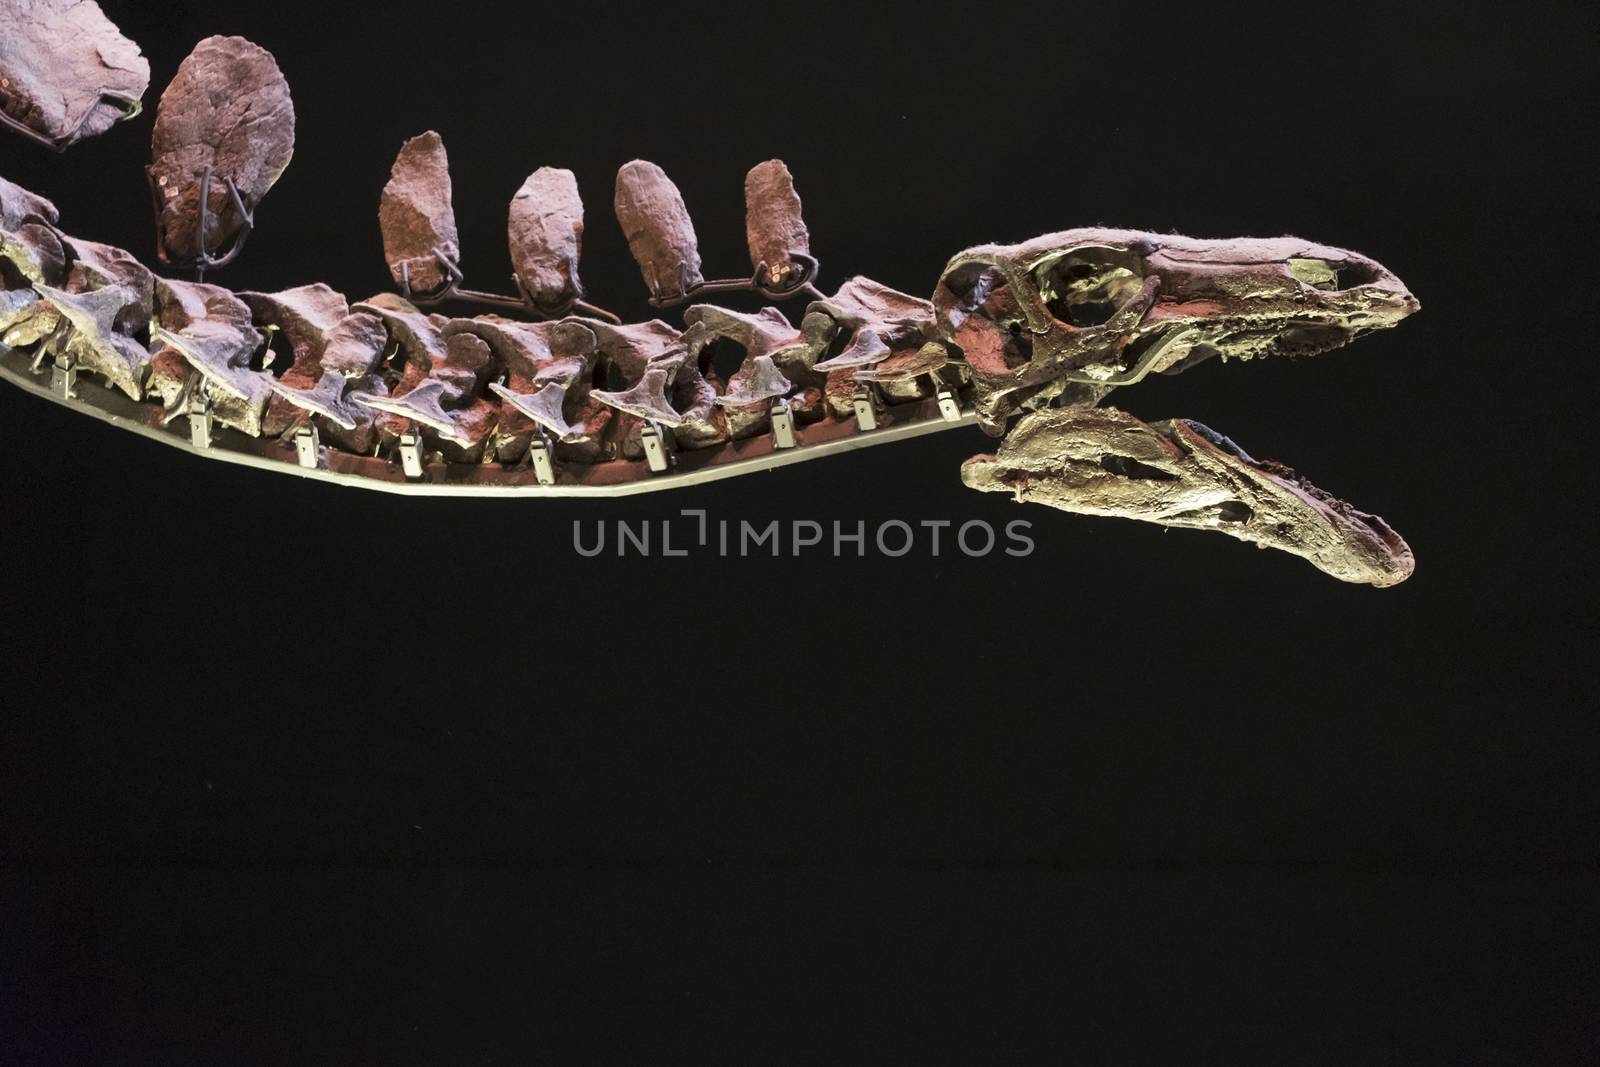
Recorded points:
(57, 60)
(659, 231)
(545, 228)
(336, 362)
(304, 317)
(877, 334)
(228, 108)
(771, 347)
(1051, 327)
(95, 344)
(417, 214)
(442, 387)
(30, 248)
(17, 205)
(211, 330)
(773, 224)
(548, 368)
(1086, 307)
(1178, 473)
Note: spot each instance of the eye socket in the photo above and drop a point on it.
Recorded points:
(1086, 286)
(971, 283)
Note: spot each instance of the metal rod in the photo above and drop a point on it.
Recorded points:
(204, 260)
(130, 109)
(619, 477)
(451, 290)
(756, 283)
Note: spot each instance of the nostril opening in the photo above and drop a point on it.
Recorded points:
(1333, 275)
(1128, 467)
(1352, 275)
(1087, 312)
(1234, 511)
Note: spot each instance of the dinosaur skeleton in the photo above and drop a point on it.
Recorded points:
(559, 397)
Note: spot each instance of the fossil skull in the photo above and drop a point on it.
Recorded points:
(1098, 308)
(1055, 324)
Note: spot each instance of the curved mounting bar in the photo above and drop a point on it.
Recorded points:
(1139, 370)
(131, 107)
(1134, 310)
(451, 290)
(204, 261)
(753, 284)
(617, 477)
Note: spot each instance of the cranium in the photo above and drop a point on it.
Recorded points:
(1060, 321)
(1099, 308)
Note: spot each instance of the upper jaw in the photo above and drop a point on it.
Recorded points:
(1107, 307)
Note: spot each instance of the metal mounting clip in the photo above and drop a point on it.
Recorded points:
(782, 424)
(64, 377)
(450, 289)
(866, 410)
(202, 423)
(760, 283)
(410, 448)
(541, 453)
(657, 441)
(949, 403)
(307, 446)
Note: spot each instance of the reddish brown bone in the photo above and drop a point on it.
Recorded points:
(773, 225)
(58, 61)
(228, 109)
(417, 215)
(545, 228)
(659, 231)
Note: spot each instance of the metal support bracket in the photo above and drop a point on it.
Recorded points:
(130, 109)
(542, 455)
(410, 448)
(759, 283)
(450, 289)
(201, 427)
(197, 406)
(64, 378)
(657, 441)
(203, 260)
(866, 410)
(782, 424)
(949, 404)
(307, 446)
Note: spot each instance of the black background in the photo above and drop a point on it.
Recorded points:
(294, 773)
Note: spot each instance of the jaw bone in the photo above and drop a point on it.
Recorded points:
(1102, 461)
